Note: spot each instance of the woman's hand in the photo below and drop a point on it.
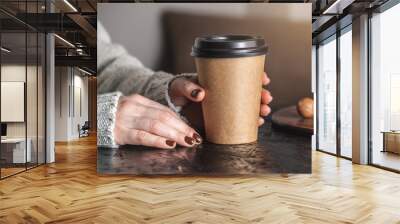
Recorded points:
(183, 90)
(141, 121)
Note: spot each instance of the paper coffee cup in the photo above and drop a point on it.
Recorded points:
(230, 69)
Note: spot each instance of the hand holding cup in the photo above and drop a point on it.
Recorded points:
(183, 91)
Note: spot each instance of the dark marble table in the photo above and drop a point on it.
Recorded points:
(275, 152)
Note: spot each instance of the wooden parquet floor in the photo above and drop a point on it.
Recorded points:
(70, 191)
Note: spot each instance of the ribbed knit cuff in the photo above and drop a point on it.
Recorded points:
(107, 105)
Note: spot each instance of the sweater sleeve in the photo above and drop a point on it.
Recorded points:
(107, 105)
(122, 74)
(119, 71)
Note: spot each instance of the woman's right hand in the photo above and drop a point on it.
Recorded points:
(141, 121)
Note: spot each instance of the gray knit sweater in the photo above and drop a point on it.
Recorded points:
(122, 74)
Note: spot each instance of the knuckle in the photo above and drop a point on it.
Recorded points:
(154, 126)
(171, 113)
(164, 117)
(187, 85)
(187, 129)
(172, 134)
(141, 136)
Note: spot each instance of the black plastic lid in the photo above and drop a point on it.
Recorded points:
(228, 46)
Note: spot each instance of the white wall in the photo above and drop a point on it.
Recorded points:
(80, 83)
(67, 115)
(17, 73)
(34, 125)
(14, 73)
(12, 101)
(61, 103)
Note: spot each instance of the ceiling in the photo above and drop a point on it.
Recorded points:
(72, 20)
(75, 22)
(332, 15)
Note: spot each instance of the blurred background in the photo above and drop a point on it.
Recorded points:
(161, 36)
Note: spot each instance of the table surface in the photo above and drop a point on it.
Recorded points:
(274, 152)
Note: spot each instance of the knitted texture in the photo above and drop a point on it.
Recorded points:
(107, 105)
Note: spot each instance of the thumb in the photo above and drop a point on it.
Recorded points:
(189, 89)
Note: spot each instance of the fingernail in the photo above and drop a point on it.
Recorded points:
(170, 143)
(197, 138)
(189, 140)
(195, 93)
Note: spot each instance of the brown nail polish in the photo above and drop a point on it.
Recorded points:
(170, 142)
(197, 138)
(189, 140)
(195, 93)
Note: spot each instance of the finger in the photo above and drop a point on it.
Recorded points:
(133, 102)
(264, 110)
(134, 109)
(158, 128)
(260, 121)
(136, 98)
(139, 137)
(190, 90)
(266, 97)
(265, 79)
(180, 101)
(168, 120)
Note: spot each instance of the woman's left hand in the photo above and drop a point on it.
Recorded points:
(183, 90)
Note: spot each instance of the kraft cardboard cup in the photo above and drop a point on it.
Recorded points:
(230, 69)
